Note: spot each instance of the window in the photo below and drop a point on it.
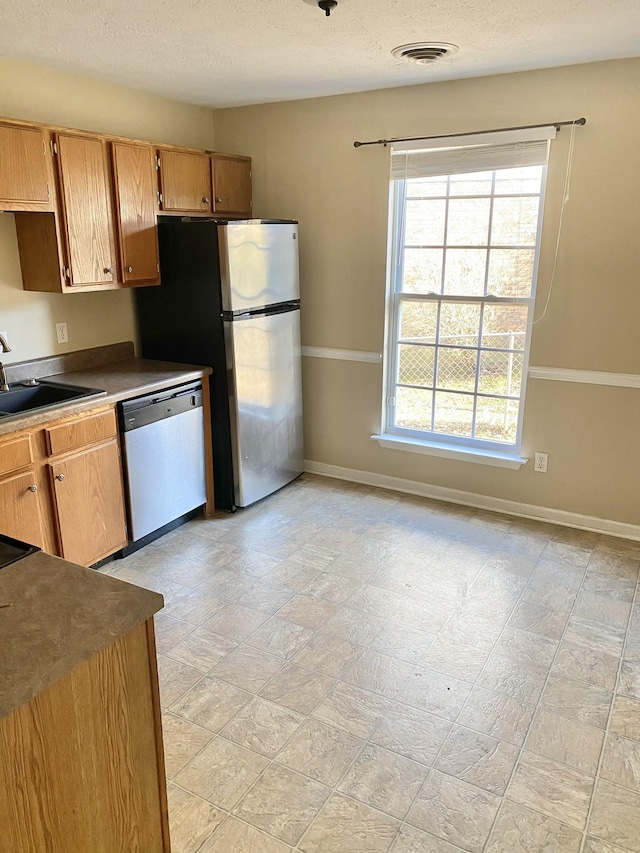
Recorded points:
(465, 235)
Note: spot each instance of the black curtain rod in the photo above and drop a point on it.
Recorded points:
(385, 142)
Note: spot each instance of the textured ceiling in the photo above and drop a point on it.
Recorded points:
(232, 52)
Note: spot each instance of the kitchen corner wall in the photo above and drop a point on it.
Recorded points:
(305, 167)
(33, 93)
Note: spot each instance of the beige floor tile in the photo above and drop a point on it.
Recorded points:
(280, 637)
(527, 647)
(429, 615)
(299, 571)
(454, 811)
(385, 780)
(629, 683)
(565, 741)
(577, 701)
(195, 607)
(561, 552)
(539, 619)
(601, 608)
(175, 679)
(222, 773)
(513, 677)
(247, 668)
(621, 589)
(376, 601)
(621, 762)
(378, 673)
(402, 642)
(358, 570)
(412, 840)
(182, 740)
(236, 622)
(169, 631)
(202, 649)
(478, 759)
(308, 611)
(411, 733)
(625, 717)
(512, 563)
(297, 688)
(578, 538)
(594, 635)
(615, 816)
(520, 830)
(328, 655)
(586, 664)
(346, 826)
(255, 564)
(282, 803)
(553, 789)
(354, 710)
(615, 565)
(476, 631)
(436, 693)
(211, 703)
(463, 662)
(332, 587)
(266, 597)
(235, 836)
(191, 820)
(262, 726)
(503, 717)
(352, 625)
(320, 751)
(597, 845)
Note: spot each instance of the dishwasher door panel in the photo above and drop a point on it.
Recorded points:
(165, 471)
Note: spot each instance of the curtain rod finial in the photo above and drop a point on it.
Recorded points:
(357, 144)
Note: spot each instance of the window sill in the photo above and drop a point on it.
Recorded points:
(451, 451)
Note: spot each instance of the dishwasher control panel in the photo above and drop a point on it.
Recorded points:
(142, 411)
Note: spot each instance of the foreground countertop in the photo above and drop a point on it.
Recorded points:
(59, 616)
(121, 380)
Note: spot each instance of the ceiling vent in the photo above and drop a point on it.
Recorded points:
(424, 52)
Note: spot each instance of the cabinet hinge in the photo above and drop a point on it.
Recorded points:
(54, 147)
(157, 267)
(48, 190)
(159, 198)
(67, 272)
(157, 162)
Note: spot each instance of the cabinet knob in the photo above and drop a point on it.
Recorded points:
(109, 270)
(206, 200)
(129, 269)
(218, 201)
(60, 477)
(33, 488)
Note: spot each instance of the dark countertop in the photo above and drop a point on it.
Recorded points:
(60, 616)
(121, 380)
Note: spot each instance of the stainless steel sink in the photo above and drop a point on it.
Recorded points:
(21, 398)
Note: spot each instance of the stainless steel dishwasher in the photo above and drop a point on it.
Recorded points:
(164, 459)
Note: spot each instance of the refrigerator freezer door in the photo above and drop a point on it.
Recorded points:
(265, 403)
(258, 264)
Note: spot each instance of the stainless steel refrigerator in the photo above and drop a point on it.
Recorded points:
(230, 298)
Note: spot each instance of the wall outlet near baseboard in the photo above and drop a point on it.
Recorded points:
(61, 333)
(541, 461)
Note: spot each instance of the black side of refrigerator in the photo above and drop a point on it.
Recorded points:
(180, 320)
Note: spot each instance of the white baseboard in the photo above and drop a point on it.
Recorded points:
(442, 493)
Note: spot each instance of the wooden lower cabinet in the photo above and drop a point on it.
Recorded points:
(82, 764)
(21, 515)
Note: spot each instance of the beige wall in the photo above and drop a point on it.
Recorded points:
(305, 167)
(36, 94)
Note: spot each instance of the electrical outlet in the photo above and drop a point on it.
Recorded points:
(541, 462)
(61, 333)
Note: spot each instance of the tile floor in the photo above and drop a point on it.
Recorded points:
(350, 670)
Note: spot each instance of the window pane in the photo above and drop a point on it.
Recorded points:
(417, 187)
(496, 420)
(515, 221)
(465, 272)
(459, 324)
(457, 369)
(521, 180)
(468, 222)
(504, 326)
(510, 272)
(425, 223)
(418, 321)
(422, 271)
(500, 373)
(416, 365)
(454, 413)
(413, 408)
(475, 183)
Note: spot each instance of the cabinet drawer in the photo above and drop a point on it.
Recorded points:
(68, 436)
(15, 454)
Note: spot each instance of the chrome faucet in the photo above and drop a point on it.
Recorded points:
(4, 385)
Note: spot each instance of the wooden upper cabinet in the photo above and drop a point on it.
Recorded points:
(231, 184)
(24, 169)
(135, 181)
(185, 182)
(86, 210)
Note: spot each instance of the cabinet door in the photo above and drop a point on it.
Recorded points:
(90, 504)
(185, 180)
(24, 179)
(86, 203)
(21, 517)
(134, 172)
(231, 184)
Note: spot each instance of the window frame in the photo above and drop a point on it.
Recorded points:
(425, 439)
